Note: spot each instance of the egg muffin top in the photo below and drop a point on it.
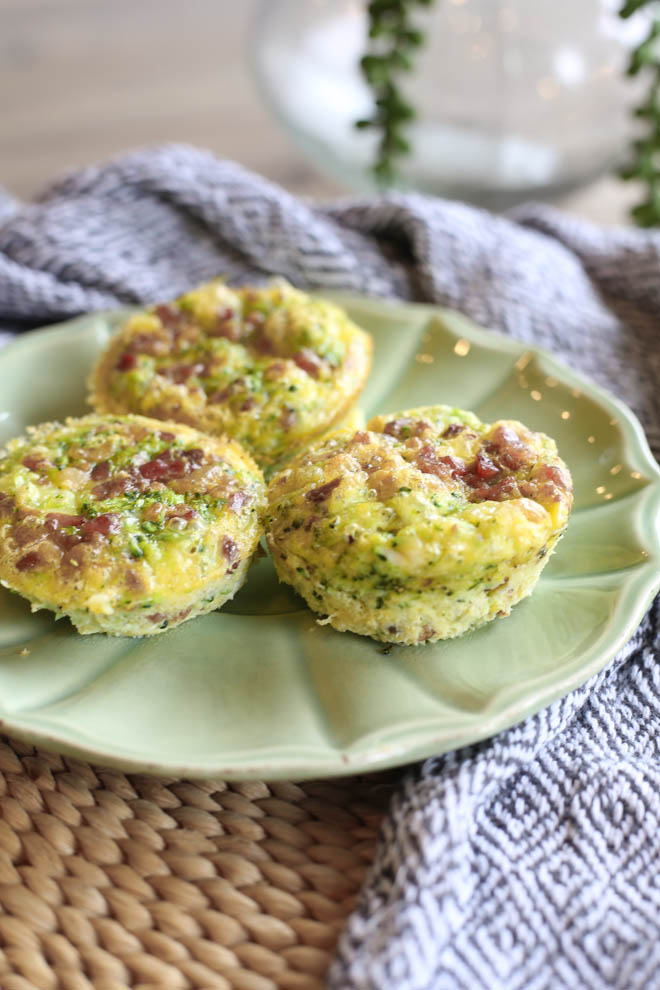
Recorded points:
(109, 513)
(271, 367)
(427, 497)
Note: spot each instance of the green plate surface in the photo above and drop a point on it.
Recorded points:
(260, 689)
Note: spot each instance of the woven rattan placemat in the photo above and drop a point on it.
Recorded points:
(110, 881)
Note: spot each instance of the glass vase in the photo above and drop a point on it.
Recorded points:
(515, 99)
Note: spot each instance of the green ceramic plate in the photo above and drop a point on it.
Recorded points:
(259, 689)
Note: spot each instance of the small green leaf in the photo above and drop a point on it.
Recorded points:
(395, 37)
(631, 7)
(644, 163)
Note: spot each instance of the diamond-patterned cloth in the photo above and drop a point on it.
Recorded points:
(531, 860)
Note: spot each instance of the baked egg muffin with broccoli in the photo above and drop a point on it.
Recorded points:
(424, 525)
(272, 367)
(125, 524)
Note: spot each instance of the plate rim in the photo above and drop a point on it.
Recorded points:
(636, 592)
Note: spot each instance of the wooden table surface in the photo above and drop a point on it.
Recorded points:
(81, 80)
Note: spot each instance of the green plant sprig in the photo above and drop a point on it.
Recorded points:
(393, 39)
(645, 151)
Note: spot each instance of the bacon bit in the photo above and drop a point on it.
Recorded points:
(360, 436)
(483, 468)
(288, 418)
(392, 630)
(85, 530)
(178, 617)
(248, 404)
(275, 370)
(168, 315)
(101, 471)
(67, 541)
(499, 491)
(528, 489)
(444, 466)
(163, 467)
(237, 500)
(229, 548)
(134, 581)
(556, 475)
(195, 455)
(126, 362)
(509, 449)
(384, 484)
(226, 325)
(453, 430)
(28, 531)
(399, 427)
(35, 463)
(216, 397)
(29, 561)
(309, 361)
(323, 492)
(406, 427)
(104, 525)
(116, 486)
(161, 617)
(182, 511)
(166, 437)
(60, 520)
(548, 484)
(311, 522)
(426, 634)
(6, 503)
(456, 464)
(263, 344)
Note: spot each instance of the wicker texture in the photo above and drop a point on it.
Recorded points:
(110, 881)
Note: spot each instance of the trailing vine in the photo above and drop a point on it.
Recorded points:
(644, 163)
(393, 38)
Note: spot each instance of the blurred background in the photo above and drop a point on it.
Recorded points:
(82, 80)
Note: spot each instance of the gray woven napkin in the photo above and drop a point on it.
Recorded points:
(531, 860)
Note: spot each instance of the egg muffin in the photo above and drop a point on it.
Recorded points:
(128, 525)
(424, 525)
(272, 367)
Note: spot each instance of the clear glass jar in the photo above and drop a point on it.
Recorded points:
(515, 98)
